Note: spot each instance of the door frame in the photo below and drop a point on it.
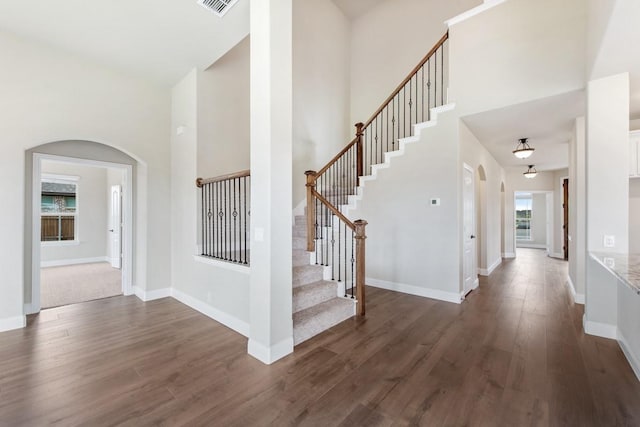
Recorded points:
(474, 249)
(127, 219)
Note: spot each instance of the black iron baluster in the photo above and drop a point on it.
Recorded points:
(442, 75)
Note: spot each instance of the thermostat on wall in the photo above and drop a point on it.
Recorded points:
(434, 201)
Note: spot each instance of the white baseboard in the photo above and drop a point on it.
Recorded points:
(558, 255)
(530, 245)
(577, 298)
(219, 316)
(152, 295)
(508, 255)
(488, 271)
(453, 297)
(61, 262)
(598, 329)
(268, 355)
(12, 323)
(633, 359)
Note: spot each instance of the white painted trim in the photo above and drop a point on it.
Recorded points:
(557, 255)
(152, 295)
(521, 244)
(488, 4)
(61, 262)
(28, 309)
(268, 355)
(577, 298)
(633, 359)
(415, 290)
(244, 269)
(476, 284)
(12, 323)
(508, 255)
(598, 329)
(488, 271)
(226, 319)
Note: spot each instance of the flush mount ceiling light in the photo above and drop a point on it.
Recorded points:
(523, 150)
(531, 172)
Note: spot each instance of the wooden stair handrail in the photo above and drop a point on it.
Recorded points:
(409, 77)
(202, 181)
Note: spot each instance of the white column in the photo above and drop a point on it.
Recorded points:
(271, 333)
(607, 174)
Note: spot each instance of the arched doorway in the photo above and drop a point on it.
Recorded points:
(84, 153)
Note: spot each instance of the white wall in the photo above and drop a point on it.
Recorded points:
(219, 290)
(488, 229)
(412, 246)
(634, 216)
(223, 114)
(50, 96)
(321, 64)
(92, 213)
(577, 209)
(607, 191)
(518, 51)
(388, 41)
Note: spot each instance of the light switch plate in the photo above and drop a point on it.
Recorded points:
(609, 241)
(259, 234)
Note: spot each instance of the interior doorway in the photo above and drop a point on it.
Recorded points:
(533, 220)
(469, 268)
(81, 230)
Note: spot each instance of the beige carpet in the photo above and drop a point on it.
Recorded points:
(78, 283)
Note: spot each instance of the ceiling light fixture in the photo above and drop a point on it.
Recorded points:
(523, 150)
(531, 172)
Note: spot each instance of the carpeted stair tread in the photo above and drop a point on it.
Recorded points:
(305, 274)
(312, 294)
(314, 320)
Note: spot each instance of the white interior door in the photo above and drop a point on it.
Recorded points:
(468, 229)
(115, 227)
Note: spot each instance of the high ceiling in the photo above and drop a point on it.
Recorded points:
(354, 8)
(548, 123)
(159, 40)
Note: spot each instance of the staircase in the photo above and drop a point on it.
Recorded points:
(316, 304)
(328, 247)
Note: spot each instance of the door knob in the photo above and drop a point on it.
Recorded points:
(111, 231)
(472, 236)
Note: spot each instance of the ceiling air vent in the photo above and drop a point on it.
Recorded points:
(219, 7)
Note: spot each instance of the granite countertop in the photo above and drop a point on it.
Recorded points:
(625, 267)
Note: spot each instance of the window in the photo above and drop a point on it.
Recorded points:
(58, 209)
(523, 216)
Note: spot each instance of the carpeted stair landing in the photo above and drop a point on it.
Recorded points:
(316, 306)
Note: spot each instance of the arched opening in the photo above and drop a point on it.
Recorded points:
(122, 170)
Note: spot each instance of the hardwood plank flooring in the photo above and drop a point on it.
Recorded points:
(513, 354)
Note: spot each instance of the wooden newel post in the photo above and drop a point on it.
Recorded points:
(311, 210)
(360, 150)
(360, 264)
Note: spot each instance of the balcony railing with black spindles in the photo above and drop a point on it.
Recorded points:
(337, 241)
(225, 216)
(411, 103)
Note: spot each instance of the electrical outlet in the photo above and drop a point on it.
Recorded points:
(609, 241)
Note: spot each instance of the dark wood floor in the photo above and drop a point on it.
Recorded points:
(512, 354)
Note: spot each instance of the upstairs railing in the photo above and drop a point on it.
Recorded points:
(226, 212)
(328, 189)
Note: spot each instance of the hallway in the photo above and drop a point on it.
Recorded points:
(512, 354)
